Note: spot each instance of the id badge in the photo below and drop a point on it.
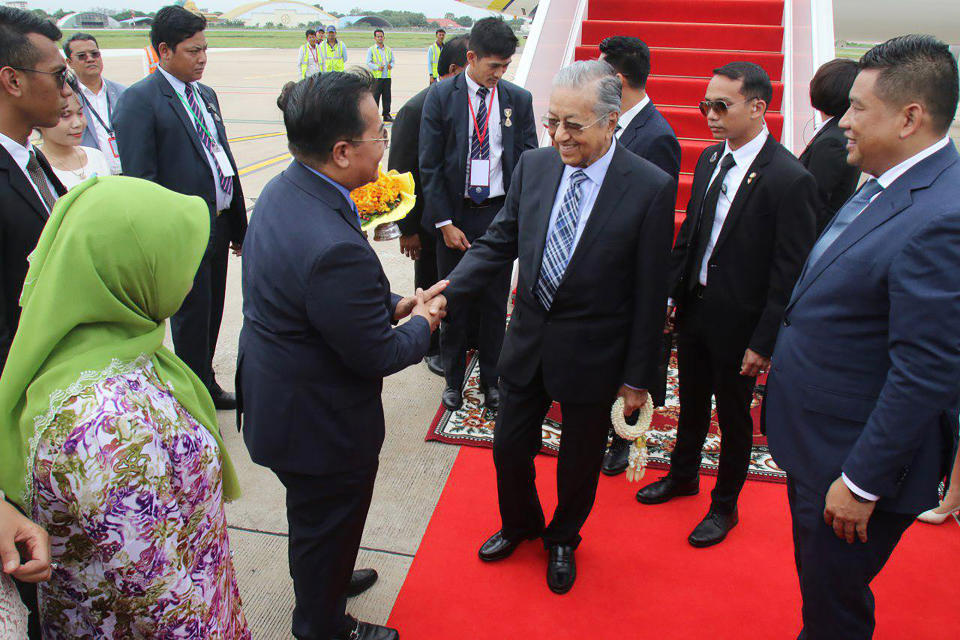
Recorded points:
(479, 173)
(113, 146)
(223, 161)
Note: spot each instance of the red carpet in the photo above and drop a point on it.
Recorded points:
(638, 578)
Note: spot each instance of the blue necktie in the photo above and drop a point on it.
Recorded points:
(226, 182)
(847, 214)
(556, 252)
(480, 150)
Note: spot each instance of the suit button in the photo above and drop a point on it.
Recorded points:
(786, 322)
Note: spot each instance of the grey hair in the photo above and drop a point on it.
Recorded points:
(598, 72)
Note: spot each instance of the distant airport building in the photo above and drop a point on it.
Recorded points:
(363, 21)
(87, 20)
(286, 13)
(444, 23)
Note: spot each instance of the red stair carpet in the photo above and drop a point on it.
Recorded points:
(688, 39)
(638, 577)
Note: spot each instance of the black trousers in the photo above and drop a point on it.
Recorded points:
(326, 515)
(703, 375)
(516, 442)
(835, 576)
(381, 90)
(425, 276)
(196, 326)
(487, 308)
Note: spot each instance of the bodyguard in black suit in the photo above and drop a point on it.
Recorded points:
(317, 342)
(749, 225)
(644, 131)
(417, 242)
(170, 131)
(591, 225)
(825, 157)
(480, 117)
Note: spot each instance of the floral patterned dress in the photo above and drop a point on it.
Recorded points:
(128, 485)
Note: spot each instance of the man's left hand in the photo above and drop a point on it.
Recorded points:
(410, 246)
(633, 399)
(845, 514)
(754, 364)
(237, 248)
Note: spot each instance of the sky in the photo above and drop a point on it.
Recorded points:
(432, 8)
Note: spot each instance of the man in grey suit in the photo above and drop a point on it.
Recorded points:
(98, 96)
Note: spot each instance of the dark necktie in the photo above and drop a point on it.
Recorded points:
(226, 182)
(39, 179)
(480, 150)
(708, 213)
(847, 214)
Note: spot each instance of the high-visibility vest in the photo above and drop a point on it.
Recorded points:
(385, 58)
(333, 57)
(308, 61)
(433, 60)
(150, 60)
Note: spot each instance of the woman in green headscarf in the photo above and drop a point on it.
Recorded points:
(107, 439)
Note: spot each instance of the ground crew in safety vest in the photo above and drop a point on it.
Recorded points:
(308, 62)
(333, 53)
(380, 62)
(433, 56)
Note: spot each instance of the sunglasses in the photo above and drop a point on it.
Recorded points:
(60, 77)
(719, 106)
(83, 56)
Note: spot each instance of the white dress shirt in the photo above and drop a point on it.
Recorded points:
(627, 116)
(223, 200)
(101, 103)
(95, 165)
(743, 158)
(886, 179)
(495, 134)
(21, 155)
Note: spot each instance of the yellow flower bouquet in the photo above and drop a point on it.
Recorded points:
(384, 202)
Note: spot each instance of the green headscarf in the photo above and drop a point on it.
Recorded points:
(115, 260)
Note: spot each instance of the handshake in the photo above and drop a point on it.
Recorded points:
(429, 304)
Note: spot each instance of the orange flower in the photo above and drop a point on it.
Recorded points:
(377, 198)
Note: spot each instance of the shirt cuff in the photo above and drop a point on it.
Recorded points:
(444, 223)
(630, 386)
(857, 490)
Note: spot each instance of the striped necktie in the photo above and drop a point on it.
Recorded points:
(226, 182)
(556, 252)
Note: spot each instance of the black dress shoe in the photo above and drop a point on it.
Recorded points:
(497, 547)
(667, 488)
(616, 459)
(356, 630)
(360, 581)
(713, 528)
(491, 397)
(434, 364)
(452, 399)
(561, 568)
(223, 400)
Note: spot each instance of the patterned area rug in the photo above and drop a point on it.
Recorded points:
(473, 425)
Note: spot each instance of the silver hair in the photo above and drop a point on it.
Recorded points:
(597, 72)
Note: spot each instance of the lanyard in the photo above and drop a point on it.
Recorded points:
(482, 136)
(198, 119)
(106, 127)
(312, 51)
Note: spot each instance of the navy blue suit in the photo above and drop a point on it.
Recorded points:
(651, 137)
(315, 346)
(866, 381)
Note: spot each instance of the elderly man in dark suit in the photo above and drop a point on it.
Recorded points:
(862, 402)
(591, 224)
(750, 223)
(473, 131)
(318, 339)
(170, 131)
(418, 242)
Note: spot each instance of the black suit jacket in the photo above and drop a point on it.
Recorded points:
(404, 155)
(762, 246)
(826, 158)
(317, 339)
(22, 217)
(650, 136)
(605, 325)
(444, 143)
(158, 142)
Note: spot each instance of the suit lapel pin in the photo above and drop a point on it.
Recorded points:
(751, 177)
(507, 113)
(713, 158)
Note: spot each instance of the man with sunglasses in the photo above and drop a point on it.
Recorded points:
(98, 95)
(750, 223)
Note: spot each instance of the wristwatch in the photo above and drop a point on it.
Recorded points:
(858, 497)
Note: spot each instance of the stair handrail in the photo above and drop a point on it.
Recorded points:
(808, 43)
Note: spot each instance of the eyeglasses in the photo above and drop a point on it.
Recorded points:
(573, 128)
(719, 106)
(60, 77)
(84, 55)
(385, 139)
